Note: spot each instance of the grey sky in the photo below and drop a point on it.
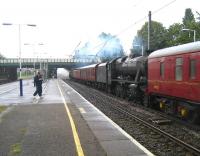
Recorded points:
(62, 24)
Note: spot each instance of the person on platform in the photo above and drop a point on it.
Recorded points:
(38, 84)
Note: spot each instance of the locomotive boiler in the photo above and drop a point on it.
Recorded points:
(128, 76)
(131, 67)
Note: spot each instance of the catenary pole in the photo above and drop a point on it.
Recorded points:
(149, 31)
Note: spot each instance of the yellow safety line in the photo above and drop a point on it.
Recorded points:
(74, 131)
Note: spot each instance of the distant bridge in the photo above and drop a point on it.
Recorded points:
(48, 64)
(56, 63)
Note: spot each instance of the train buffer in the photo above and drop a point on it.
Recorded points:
(62, 123)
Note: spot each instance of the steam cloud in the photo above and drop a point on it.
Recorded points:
(105, 46)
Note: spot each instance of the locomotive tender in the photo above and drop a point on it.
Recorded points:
(167, 79)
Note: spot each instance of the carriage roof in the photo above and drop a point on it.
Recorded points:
(180, 49)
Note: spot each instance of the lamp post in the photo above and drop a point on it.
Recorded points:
(194, 33)
(40, 56)
(20, 61)
(34, 47)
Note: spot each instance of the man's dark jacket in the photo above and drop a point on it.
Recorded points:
(38, 80)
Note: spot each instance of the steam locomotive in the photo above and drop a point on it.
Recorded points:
(167, 79)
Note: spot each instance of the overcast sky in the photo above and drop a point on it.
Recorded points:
(62, 24)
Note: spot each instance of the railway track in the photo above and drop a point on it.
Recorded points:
(8, 87)
(165, 139)
(175, 140)
(3, 81)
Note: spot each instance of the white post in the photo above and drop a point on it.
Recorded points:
(194, 35)
(20, 59)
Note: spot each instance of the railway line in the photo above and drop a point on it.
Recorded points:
(8, 87)
(3, 81)
(159, 134)
(5, 88)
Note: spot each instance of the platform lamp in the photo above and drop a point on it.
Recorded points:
(40, 44)
(20, 61)
(34, 47)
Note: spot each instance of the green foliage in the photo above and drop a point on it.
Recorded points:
(188, 18)
(2, 108)
(16, 149)
(190, 23)
(198, 18)
(174, 35)
(157, 38)
(25, 74)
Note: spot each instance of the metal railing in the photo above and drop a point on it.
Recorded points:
(49, 60)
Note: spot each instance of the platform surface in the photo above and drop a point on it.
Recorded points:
(43, 127)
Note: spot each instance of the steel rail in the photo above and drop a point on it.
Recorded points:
(172, 138)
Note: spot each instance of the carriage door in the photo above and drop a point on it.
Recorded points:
(169, 75)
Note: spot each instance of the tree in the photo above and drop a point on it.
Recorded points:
(175, 36)
(157, 36)
(188, 18)
(190, 23)
(198, 18)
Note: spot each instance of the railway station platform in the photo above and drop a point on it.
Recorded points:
(61, 123)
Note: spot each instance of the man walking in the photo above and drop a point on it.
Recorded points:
(38, 84)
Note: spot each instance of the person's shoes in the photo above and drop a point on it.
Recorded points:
(34, 98)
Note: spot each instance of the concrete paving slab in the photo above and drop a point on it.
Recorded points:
(109, 134)
(101, 125)
(121, 148)
(94, 118)
(83, 104)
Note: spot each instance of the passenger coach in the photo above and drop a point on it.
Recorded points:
(174, 79)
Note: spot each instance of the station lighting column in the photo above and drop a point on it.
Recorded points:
(20, 60)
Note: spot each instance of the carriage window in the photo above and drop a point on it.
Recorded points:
(192, 69)
(162, 69)
(179, 69)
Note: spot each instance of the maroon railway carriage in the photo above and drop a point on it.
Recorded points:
(174, 79)
(76, 74)
(86, 74)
